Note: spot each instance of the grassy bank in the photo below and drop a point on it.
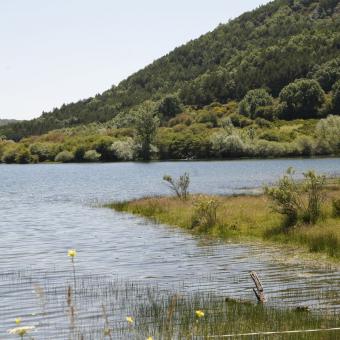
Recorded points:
(245, 217)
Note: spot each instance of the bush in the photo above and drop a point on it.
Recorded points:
(264, 148)
(253, 100)
(44, 151)
(314, 187)
(9, 156)
(227, 145)
(305, 145)
(22, 155)
(295, 200)
(124, 150)
(328, 135)
(180, 187)
(207, 117)
(301, 99)
(64, 157)
(91, 156)
(205, 212)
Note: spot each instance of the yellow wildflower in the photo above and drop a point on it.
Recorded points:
(150, 338)
(199, 313)
(129, 319)
(17, 321)
(21, 331)
(72, 253)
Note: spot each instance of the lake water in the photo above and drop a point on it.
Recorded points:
(47, 209)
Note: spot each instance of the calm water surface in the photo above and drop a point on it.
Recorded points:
(47, 209)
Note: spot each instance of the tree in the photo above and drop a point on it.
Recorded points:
(336, 98)
(327, 74)
(146, 125)
(301, 99)
(169, 107)
(253, 100)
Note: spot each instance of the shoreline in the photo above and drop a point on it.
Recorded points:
(244, 218)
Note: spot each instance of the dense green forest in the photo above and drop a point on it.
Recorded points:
(266, 84)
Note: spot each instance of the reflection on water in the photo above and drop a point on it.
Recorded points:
(46, 209)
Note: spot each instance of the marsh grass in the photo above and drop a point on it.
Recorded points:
(246, 217)
(103, 304)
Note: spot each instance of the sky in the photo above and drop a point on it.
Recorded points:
(56, 52)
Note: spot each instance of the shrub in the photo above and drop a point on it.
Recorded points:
(336, 207)
(305, 145)
(207, 117)
(64, 157)
(44, 151)
(124, 150)
(264, 148)
(296, 200)
(9, 155)
(180, 187)
(253, 100)
(227, 145)
(205, 212)
(91, 156)
(22, 155)
(328, 134)
(301, 99)
(314, 187)
(286, 198)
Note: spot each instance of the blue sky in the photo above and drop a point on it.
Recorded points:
(55, 52)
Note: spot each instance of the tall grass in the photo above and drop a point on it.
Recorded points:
(103, 305)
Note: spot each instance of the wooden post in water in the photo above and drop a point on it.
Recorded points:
(259, 292)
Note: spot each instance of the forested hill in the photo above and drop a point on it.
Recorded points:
(267, 48)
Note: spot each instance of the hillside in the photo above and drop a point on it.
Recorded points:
(266, 84)
(268, 47)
